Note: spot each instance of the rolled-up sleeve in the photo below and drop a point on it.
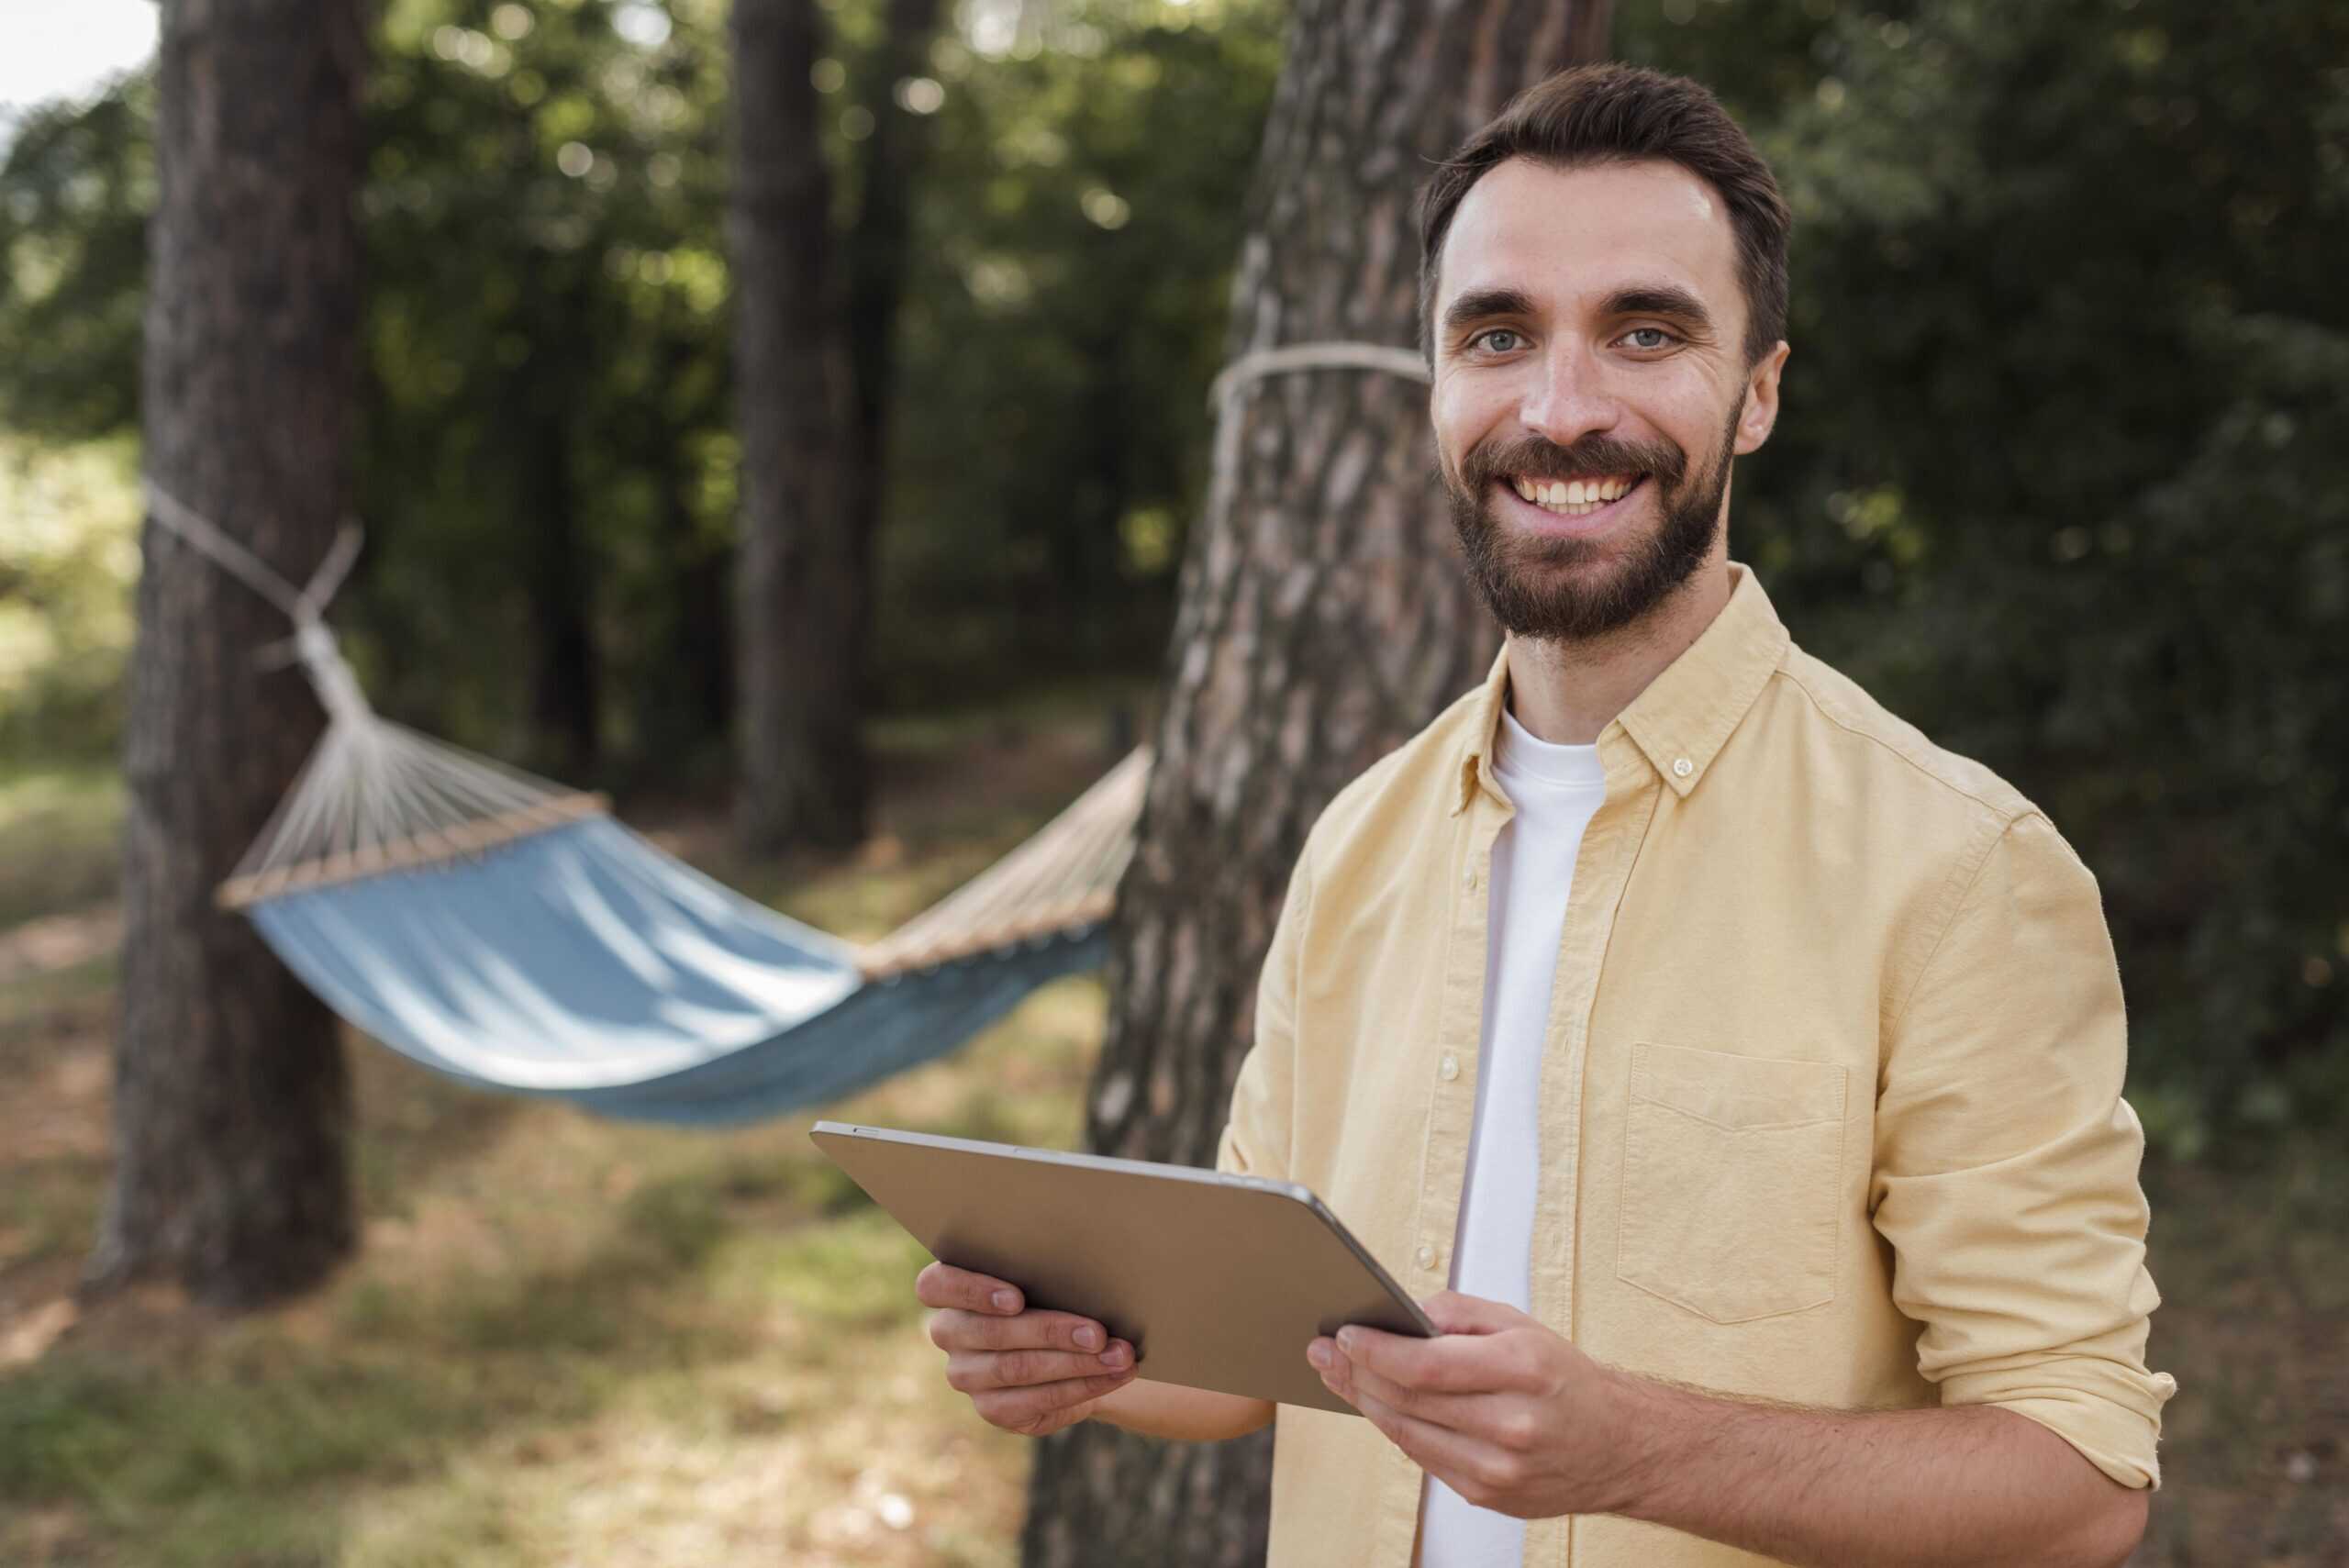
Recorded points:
(2007, 1162)
(1255, 1139)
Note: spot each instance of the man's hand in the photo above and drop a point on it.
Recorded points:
(1515, 1419)
(1032, 1373)
(1507, 1413)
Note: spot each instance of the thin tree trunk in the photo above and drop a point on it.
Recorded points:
(1323, 620)
(802, 770)
(877, 252)
(230, 1103)
(566, 671)
(701, 610)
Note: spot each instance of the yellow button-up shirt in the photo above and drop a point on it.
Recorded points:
(1831, 1099)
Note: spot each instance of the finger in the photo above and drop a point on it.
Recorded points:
(1454, 1364)
(1475, 1470)
(1473, 1414)
(1453, 1313)
(951, 1328)
(943, 1285)
(1014, 1407)
(1045, 1425)
(975, 1371)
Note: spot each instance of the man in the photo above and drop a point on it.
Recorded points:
(1748, 1066)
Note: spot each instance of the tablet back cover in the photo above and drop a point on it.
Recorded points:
(1220, 1282)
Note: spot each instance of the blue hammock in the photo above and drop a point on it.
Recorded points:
(514, 937)
(505, 931)
(581, 961)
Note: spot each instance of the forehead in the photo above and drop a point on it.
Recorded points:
(1569, 236)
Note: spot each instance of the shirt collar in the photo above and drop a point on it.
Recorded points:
(1686, 714)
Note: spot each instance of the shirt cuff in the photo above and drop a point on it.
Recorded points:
(2111, 1413)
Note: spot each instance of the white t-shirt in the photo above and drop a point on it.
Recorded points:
(1556, 790)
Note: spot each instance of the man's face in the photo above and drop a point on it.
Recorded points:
(1588, 332)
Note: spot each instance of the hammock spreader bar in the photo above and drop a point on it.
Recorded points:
(505, 931)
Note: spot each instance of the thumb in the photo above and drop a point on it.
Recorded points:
(1453, 1313)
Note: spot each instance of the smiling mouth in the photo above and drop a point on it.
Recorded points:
(1574, 497)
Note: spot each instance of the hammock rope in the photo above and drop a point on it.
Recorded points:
(505, 930)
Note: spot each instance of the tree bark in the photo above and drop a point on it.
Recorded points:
(803, 774)
(230, 1105)
(565, 664)
(877, 250)
(1323, 620)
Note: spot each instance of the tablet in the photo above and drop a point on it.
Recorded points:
(1218, 1280)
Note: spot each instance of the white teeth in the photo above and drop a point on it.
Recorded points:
(1575, 498)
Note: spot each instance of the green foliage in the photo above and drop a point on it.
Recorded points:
(2062, 471)
(548, 400)
(1066, 310)
(75, 189)
(547, 353)
(69, 556)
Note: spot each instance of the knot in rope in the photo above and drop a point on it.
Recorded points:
(313, 643)
(330, 674)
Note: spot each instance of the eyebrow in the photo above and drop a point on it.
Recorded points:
(1483, 304)
(1669, 300)
(1660, 299)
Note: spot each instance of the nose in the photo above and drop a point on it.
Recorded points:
(1568, 398)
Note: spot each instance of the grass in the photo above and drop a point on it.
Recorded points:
(568, 1341)
(59, 831)
(564, 1341)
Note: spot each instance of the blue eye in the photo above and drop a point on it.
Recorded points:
(1658, 333)
(1489, 337)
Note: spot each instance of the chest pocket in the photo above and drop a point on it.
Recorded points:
(1732, 1182)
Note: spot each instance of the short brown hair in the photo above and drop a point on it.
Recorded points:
(1612, 113)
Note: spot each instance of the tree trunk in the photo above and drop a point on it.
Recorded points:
(877, 252)
(1323, 620)
(802, 770)
(230, 1105)
(559, 585)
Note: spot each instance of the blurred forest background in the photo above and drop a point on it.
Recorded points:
(2063, 477)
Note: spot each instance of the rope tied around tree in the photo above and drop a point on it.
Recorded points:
(1223, 394)
(1258, 362)
(313, 644)
(374, 795)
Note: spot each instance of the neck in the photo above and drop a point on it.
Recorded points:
(1566, 693)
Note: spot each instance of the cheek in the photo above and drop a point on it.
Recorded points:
(1690, 418)
(1461, 420)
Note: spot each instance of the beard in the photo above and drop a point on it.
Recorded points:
(1560, 589)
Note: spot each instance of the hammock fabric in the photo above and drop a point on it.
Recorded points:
(508, 933)
(579, 960)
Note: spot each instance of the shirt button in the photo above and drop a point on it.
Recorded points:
(1449, 1068)
(1682, 767)
(1468, 877)
(1427, 1257)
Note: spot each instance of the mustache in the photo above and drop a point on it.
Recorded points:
(1534, 456)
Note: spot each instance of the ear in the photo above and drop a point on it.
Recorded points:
(1760, 415)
